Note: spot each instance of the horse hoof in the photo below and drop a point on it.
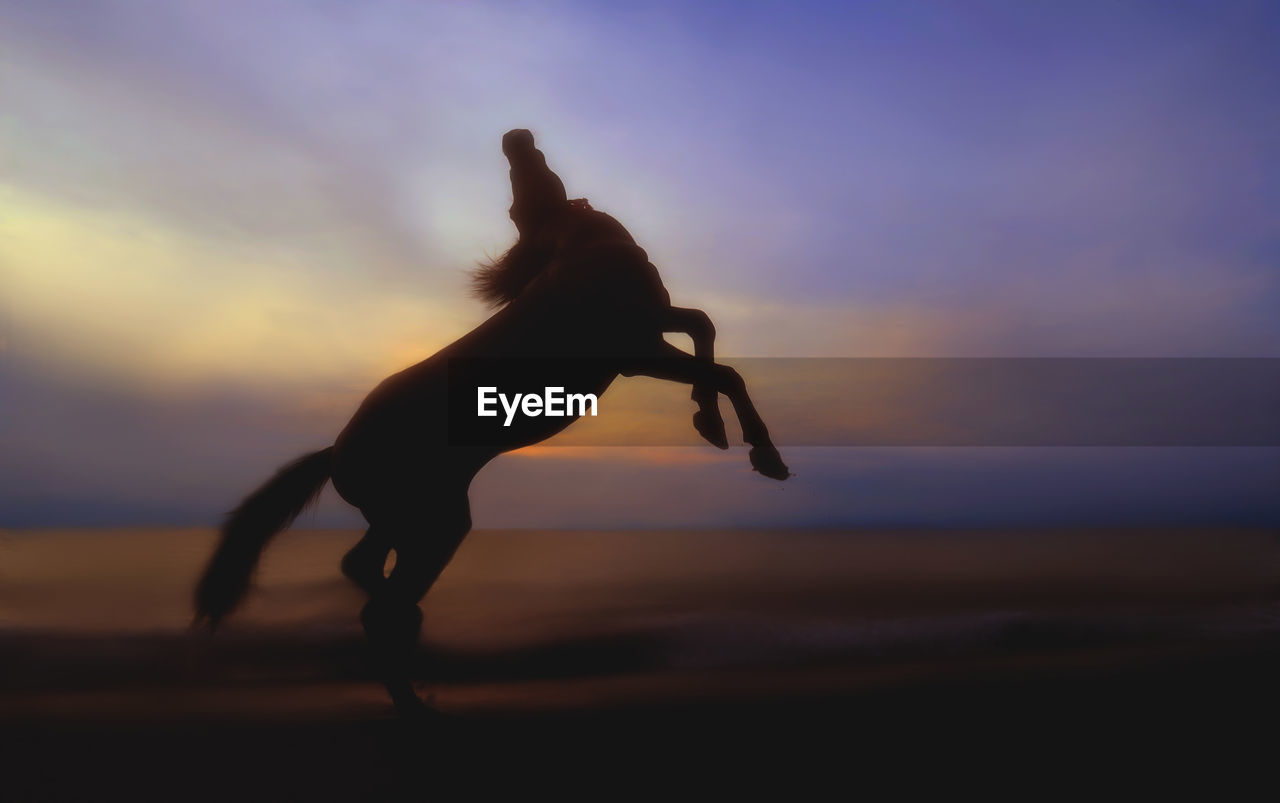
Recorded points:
(711, 428)
(768, 462)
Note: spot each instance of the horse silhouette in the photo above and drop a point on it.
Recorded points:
(578, 305)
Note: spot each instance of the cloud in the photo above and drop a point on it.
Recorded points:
(115, 294)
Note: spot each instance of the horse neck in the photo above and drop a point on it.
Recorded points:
(579, 227)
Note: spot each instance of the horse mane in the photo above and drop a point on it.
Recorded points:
(498, 281)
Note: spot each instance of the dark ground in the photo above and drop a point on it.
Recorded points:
(1199, 722)
(795, 665)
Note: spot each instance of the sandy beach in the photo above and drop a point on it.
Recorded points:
(788, 649)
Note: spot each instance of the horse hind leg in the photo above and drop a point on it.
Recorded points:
(365, 563)
(392, 618)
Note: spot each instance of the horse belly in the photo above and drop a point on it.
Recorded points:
(397, 431)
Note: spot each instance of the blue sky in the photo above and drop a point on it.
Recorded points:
(220, 224)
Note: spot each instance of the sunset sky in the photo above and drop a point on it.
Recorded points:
(222, 223)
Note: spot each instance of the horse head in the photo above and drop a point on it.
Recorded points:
(537, 193)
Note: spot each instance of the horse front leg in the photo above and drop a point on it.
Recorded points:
(698, 326)
(672, 364)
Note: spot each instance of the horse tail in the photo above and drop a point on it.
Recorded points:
(262, 514)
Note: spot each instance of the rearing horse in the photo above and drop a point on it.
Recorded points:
(576, 293)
